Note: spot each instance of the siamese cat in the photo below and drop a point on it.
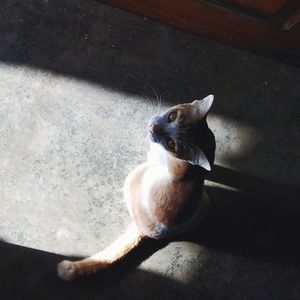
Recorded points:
(165, 194)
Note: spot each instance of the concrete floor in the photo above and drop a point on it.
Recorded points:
(77, 82)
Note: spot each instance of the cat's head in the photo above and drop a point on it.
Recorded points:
(183, 132)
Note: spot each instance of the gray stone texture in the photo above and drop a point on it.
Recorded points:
(77, 86)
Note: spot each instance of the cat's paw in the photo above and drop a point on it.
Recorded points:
(66, 270)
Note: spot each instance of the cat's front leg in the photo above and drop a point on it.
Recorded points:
(68, 270)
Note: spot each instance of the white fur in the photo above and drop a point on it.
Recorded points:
(157, 156)
(126, 187)
(157, 172)
(201, 160)
(66, 270)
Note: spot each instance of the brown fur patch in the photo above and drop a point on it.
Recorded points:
(169, 201)
(186, 113)
(172, 201)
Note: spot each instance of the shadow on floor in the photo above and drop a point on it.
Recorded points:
(30, 274)
(259, 220)
(260, 230)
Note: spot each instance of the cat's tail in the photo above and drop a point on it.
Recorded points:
(68, 270)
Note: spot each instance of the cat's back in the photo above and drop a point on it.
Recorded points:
(156, 199)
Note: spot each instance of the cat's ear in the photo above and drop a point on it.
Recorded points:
(203, 105)
(200, 159)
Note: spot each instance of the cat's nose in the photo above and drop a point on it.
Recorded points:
(155, 128)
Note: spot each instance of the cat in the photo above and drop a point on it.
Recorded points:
(165, 194)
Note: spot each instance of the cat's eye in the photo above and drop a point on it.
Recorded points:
(171, 144)
(172, 116)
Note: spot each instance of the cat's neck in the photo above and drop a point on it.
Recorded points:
(158, 157)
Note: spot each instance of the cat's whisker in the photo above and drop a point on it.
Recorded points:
(144, 97)
(184, 146)
(157, 99)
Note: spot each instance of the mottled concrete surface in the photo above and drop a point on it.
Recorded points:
(77, 82)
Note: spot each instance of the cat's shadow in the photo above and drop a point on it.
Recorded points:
(260, 219)
(252, 218)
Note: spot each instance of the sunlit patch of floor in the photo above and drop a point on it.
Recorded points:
(66, 148)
